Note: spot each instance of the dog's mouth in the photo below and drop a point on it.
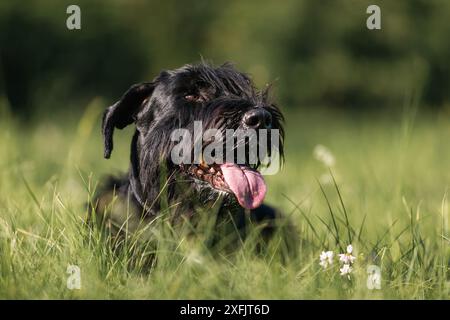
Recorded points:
(245, 183)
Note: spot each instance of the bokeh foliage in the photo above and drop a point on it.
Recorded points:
(316, 52)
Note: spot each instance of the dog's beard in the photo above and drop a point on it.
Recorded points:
(239, 177)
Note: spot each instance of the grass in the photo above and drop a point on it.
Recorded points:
(386, 194)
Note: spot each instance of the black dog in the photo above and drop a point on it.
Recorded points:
(220, 97)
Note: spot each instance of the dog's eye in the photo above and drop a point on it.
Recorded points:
(193, 98)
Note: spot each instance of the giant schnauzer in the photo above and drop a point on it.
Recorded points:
(221, 98)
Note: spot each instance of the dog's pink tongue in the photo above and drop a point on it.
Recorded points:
(247, 185)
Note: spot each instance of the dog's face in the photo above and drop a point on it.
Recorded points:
(218, 98)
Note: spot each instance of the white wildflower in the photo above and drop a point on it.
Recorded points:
(324, 155)
(349, 248)
(346, 270)
(347, 257)
(326, 258)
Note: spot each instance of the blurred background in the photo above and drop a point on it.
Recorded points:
(369, 109)
(317, 53)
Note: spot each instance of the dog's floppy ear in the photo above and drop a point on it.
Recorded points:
(123, 112)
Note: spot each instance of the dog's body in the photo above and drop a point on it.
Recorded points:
(221, 98)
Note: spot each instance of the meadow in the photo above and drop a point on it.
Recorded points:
(382, 187)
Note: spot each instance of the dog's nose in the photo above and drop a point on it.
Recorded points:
(258, 119)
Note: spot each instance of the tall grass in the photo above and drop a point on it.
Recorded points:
(386, 194)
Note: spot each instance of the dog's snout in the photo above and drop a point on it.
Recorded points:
(258, 118)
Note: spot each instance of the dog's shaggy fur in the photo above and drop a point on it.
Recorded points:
(220, 97)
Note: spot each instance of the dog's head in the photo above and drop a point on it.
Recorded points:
(186, 100)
